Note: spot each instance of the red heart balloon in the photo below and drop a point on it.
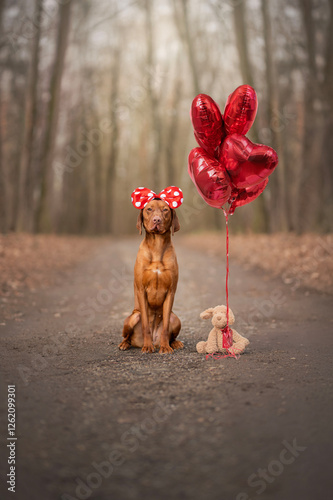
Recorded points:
(240, 110)
(207, 123)
(244, 196)
(248, 164)
(194, 153)
(209, 176)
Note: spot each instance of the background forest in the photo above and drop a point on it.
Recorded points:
(95, 100)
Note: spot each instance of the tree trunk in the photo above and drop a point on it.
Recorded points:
(243, 54)
(41, 220)
(242, 43)
(239, 13)
(278, 215)
(3, 222)
(114, 146)
(182, 24)
(173, 129)
(326, 206)
(154, 105)
(98, 221)
(314, 132)
(17, 107)
(25, 210)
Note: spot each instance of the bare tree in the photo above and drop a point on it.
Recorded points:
(246, 69)
(278, 216)
(187, 37)
(326, 207)
(154, 103)
(181, 18)
(114, 144)
(245, 65)
(3, 224)
(173, 127)
(41, 220)
(25, 199)
(314, 126)
(242, 42)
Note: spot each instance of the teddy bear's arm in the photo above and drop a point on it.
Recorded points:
(237, 337)
(240, 342)
(212, 345)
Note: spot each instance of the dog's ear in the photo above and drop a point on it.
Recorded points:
(139, 222)
(207, 314)
(175, 226)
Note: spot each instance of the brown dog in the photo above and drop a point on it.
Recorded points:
(152, 322)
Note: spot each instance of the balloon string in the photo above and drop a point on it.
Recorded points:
(232, 353)
(227, 263)
(226, 332)
(227, 340)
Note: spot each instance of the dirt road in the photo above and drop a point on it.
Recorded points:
(94, 422)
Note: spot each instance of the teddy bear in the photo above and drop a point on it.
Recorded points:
(214, 341)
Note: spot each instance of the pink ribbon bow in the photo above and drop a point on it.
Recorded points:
(172, 195)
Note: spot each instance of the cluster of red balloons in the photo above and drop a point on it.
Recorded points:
(228, 167)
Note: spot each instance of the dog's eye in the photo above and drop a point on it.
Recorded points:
(149, 209)
(165, 210)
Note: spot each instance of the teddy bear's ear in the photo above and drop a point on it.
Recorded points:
(207, 314)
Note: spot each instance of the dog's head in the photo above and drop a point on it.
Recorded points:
(158, 218)
(157, 211)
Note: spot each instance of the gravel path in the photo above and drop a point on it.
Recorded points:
(97, 423)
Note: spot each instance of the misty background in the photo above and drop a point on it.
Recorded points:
(96, 96)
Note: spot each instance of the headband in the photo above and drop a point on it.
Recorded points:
(172, 195)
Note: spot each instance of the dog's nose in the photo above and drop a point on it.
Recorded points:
(156, 220)
(218, 318)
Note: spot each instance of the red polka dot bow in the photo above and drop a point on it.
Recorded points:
(172, 195)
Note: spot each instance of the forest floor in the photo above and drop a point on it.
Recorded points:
(305, 260)
(95, 422)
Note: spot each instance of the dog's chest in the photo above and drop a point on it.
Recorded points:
(157, 281)
(157, 276)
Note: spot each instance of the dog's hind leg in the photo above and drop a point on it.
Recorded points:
(129, 324)
(175, 326)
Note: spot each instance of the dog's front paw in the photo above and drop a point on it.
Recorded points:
(165, 349)
(124, 345)
(148, 348)
(177, 344)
